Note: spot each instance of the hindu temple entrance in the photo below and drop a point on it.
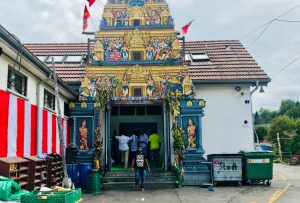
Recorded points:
(136, 119)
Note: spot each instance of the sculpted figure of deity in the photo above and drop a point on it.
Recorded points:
(149, 52)
(150, 86)
(191, 130)
(83, 136)
(125, 52)
(125, 87)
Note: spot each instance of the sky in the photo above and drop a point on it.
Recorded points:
(57, 21)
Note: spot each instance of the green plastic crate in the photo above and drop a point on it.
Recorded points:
(76, 194)
(52, 197)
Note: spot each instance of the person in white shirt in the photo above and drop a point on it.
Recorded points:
(123, 147)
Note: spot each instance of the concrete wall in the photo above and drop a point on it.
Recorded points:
(32, 81)
(224, 130)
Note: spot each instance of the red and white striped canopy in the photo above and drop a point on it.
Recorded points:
(20, 132)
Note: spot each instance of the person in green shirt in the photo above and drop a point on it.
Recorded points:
(154, 140)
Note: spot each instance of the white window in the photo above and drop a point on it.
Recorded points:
(49, 100)
(200, 57)
(17, 82)
(57, 59)
(74, 59)
(42, 58)
(188, 57)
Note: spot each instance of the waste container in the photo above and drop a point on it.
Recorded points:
(93, 185)
(258, 167)
(73, 170)
(226, 168)
(84, 168)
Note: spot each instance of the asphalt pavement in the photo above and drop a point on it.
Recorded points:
(285, 188)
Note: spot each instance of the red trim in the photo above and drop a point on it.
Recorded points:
(45, 132)
(54, 125)
(20, 126)
(4, 109)
(33, 133)
(68, 133)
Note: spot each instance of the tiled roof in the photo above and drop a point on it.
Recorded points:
(70, 72)
(57, 48)
(228, 61)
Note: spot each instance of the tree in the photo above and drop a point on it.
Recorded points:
(256, 118)
(261, 132)
(294, 112)
(286, 127)
(296, 140)
(266, 116)
(286, 105)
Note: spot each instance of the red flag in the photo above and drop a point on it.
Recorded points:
(91, 2)
(186, 27)
(86, 16)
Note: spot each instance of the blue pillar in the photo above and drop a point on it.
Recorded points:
(190, 120)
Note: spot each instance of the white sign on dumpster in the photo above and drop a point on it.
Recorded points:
(227, 169)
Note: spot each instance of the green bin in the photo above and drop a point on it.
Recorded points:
(93, 185)
(258, 167)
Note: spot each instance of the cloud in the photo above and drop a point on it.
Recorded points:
(61, 21)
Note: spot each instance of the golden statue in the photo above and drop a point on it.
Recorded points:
(191, 130)
(83, 136)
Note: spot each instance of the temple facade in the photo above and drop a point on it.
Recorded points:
(137, 55)
(137, 61)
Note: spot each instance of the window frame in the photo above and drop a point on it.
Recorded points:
(12, 87)
(46, 92)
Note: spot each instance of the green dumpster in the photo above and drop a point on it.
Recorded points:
(93, 182)
(258, 167)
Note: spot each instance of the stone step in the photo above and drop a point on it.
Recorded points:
(131, 178)
(127, 185)
(129, 173)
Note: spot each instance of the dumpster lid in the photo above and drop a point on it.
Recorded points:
(257, 153)
(212, 155)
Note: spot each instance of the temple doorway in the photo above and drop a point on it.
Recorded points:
(136, 119)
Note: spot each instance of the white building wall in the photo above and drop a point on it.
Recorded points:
(32, 82)
(223, 127)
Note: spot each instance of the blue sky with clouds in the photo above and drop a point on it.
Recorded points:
(61, 21)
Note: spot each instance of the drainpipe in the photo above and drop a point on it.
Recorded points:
(255, 89)
(253, 129)
(39, 116)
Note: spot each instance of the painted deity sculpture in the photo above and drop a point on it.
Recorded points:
(83, 136)
(125, 87)
(150, 86)
(191, 130)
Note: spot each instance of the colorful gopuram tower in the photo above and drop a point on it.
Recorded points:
(137, 45)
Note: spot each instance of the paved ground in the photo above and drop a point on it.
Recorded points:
(285, 188)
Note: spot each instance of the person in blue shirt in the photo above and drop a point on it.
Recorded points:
(133, 145)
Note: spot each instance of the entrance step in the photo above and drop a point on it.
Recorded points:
(125, 180)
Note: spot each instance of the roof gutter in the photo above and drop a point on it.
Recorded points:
(15, 44)
(263, 82)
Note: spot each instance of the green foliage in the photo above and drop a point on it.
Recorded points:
(256, 118)
(294, 112)
(261, 132)
(295, 145)
(103, 99)
(286, 105)
(281, 125)
(266, 116)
